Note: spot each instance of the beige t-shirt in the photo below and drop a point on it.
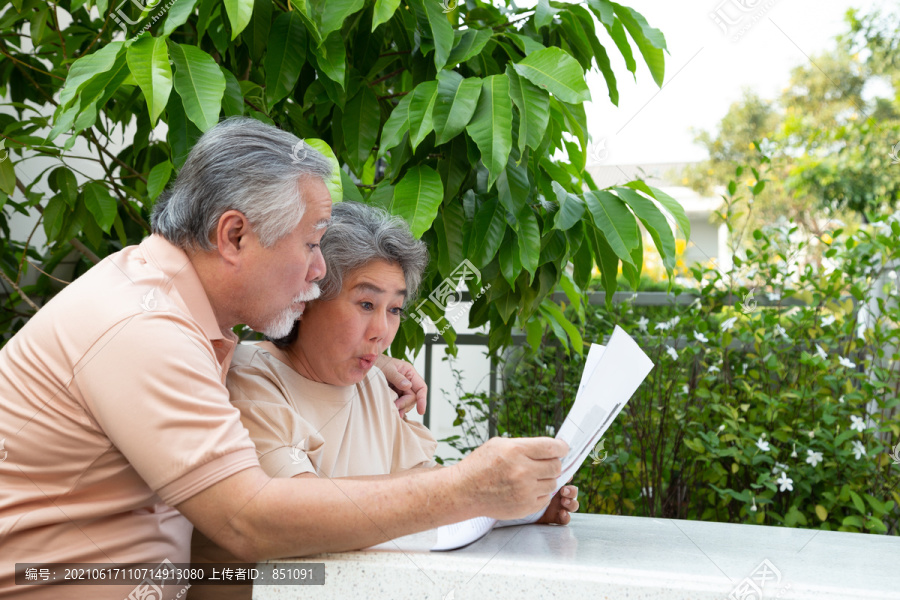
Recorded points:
(113, 409)
(302, 426)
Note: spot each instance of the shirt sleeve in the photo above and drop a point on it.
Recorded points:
(154, 387)
(287, 444)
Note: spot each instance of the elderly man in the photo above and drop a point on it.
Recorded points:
(119, 433)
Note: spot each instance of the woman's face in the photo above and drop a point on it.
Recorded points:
(340, 339)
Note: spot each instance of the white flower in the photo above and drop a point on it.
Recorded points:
(858, 449)
(813, 458)
(722, 427)
(841, 400)
(821, 352)
(762, 444)
(672, 352)
(685, 389)
(857, 423)
(811, 434)
(779, 467)
(662, 326)
(773, 296)
(845, 362)
(551, 430)
(713, 369)
(642, 324)
(780, 331)
(861, 331)
(785, 483)
(892, 274)
(753, 508)
(794, 451)
(729, 323)
(828, 320)
(700, 337)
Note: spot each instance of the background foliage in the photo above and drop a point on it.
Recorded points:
(467, 119)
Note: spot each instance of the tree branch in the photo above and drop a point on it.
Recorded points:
(22, 294)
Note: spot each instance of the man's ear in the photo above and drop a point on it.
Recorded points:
(231, 233)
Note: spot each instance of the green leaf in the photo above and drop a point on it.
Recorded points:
(617, 33)
(332, 58)
(675, 209)
(384, 10)
(468, 44)
(54, 216)
(487, 232)
(233, 99)
(331, 14)
(821, 512)
(148, 61)
(158, 178)
(285, 56)
(417, 198)
(7, 177)
(543, 13)
(534, 110)
(606, 260)
(449, 227)
(655, 222)
(557, 72)
(555, 314)
(441, 32)
(858, 502)
(421, 108)
(86, 68)
(510, 261)
(571, 208)
(100, 204)
(361, 120)
(613, 218)
(182, 132)
(177, 16)
(335, 182)
(650, 41)
(396, 125)
(257, 36)
(529, 238)
(62, 180)
(239, 13)
(513, 187)
(491, 126)
(199, 82)
(454, 105)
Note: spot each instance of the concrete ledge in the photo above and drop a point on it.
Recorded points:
(601, 556)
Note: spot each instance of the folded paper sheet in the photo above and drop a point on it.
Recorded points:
(611, 376)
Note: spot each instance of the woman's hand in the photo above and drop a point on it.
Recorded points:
(564, 502)
(404, 380)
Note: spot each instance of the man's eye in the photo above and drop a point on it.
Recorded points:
(313, 246)
(367, 305)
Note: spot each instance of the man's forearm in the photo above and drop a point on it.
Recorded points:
(299, 517)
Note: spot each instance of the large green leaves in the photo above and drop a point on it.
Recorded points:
(336, 182)
(468, 43)
(361, 119)
(148, 60)
(613, 218)
(239, 13)
(285, 56)
(417, 198)
(655, 222)
(421, 107)
(441, 32)
(490, 224)
(101, 205)
(332, 58)
(199, 82)
(650, 41)
(455, 104)
(557, 72)
(331, 14)
(397, 124)
(384, 10)
(534, 110)
(491, 126)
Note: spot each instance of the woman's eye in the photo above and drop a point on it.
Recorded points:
(367, 305)
(397, 311)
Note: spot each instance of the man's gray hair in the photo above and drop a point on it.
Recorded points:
(239, 164)
(359, 234)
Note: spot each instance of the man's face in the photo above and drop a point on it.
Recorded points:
(284, 274)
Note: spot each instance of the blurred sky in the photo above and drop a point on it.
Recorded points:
(706, 71)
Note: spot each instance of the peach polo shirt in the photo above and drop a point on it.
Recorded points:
(113, 408)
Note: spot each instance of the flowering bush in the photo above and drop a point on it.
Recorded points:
(774, 399)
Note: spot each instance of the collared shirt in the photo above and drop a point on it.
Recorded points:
(113, 410)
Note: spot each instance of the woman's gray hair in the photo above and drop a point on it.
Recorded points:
(240, 164)
(360, 234)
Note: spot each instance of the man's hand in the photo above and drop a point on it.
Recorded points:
(404, 380)
(512, 478)
(564, 502)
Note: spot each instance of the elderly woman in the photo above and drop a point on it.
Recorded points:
(314, 402)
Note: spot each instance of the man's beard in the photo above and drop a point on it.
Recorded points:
(282, 324)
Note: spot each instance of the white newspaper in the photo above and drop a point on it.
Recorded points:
(611, 375)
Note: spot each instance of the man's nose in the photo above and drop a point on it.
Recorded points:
(317, 267)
